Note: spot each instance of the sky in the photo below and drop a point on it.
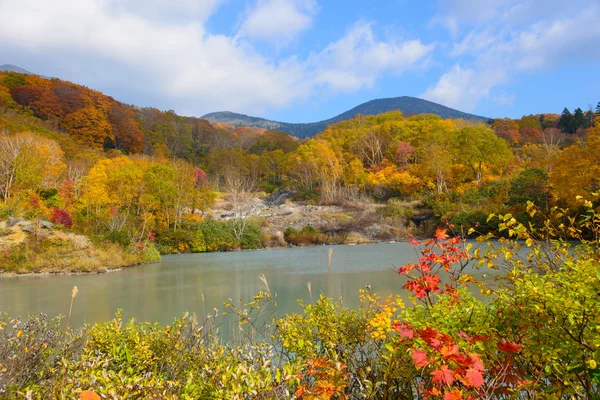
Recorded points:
(309, 60)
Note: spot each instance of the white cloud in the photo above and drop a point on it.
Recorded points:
(183, 60)
(359, 58)
(463, 88)
(190, 67)
(514, 37)
(279, 21)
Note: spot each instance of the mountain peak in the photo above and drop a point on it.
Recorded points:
(14, 68)
(408, 105)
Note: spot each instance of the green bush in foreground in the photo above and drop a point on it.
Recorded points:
(534, 334)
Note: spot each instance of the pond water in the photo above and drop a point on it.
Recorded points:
(197, 283)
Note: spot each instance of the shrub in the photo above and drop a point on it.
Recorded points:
(187, 238)
(120, 237)
(219, 235)
(396, 212)
(150, 254)
(61, 217)
(308, 235)
(535, 335)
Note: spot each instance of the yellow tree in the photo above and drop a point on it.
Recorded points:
(28, 161)
(315, 163)
(576, 170)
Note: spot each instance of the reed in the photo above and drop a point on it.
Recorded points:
(73, 295)
(309, 287)
(329, 254)
(264, 280)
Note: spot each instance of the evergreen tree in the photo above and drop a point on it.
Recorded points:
(543, 121)
(566, 122)
(589, 118)
(579, 120)
(598, 108)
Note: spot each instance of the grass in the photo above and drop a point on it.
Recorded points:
(50, 256)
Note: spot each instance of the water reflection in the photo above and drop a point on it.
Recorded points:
(165, 291)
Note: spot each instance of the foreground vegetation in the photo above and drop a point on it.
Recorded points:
(535, 333)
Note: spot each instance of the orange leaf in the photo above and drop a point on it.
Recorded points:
(453, 395)
(89, 395)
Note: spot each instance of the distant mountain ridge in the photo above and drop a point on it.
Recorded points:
(14, 68)
(408, 105)
(18, 70)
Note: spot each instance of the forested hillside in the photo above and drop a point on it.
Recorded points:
(408, 106)
(138, 177)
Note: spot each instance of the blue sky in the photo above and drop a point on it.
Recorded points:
(307, 60)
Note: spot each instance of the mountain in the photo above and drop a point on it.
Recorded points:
(83, 119)
(14, 68)
(408, 105)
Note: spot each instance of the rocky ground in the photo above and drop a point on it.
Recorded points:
(353, 222)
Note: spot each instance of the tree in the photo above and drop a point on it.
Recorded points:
(126, 131)
(28, 161)
(598, 109)
(478, 147)
(273, 140)
(69, 96)
(576, 170)
(579, 120)
(530, 185)
(41, 100)
(315, 163)
(12, 80)
(404, 153)
(90, 126)
(566, 122)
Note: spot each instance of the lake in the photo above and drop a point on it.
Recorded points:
(164, 291)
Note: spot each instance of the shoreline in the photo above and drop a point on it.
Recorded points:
(8, 275)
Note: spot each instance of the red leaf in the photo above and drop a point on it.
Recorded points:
(420, 358)
(474, 377)
(403, 329)
(508, 347)
(449, 350)
(440, 234)
(443, 375)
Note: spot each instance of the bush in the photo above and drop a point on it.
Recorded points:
(219, 235)
(208, 236)
(396, 212)
(61, 217)
(535, 335)
(120, 237)
(251, 239)
(150, 254)
(187, 238)
(477, 220)
(308, 235)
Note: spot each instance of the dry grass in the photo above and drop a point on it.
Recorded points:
(48, 256)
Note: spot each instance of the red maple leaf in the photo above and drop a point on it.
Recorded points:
(449, 350)
(403, 329)
(440, 234)
(474, 377)
(508, 347)
(420, 358)
(444, 375)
